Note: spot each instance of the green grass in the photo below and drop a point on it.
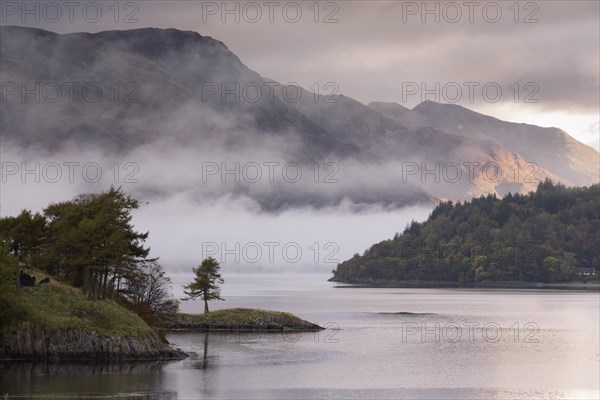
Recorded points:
(236, 319)
(237, 316)
(58, 307)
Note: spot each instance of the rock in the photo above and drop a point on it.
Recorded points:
(79, 345)
(26, 279)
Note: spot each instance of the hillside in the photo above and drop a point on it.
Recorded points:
(540, 237)
(143, 85)
(57, 322)
(158, 97)
(397, 141)
(550, 148)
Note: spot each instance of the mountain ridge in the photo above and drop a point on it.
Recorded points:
(171, 70)
(522, 138)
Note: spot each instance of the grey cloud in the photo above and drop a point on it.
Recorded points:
(560, 52)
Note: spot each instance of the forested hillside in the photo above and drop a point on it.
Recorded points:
(540, 237)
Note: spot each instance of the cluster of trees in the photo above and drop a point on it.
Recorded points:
(90, 243)
(540, 237)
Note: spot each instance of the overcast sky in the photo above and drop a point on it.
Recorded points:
(544, 56)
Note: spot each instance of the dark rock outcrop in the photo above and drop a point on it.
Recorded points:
(79, 345)
(26, 279)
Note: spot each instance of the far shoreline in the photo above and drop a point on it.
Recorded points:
(586, 286)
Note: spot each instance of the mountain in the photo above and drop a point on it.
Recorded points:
(381, 136)
(165, 91)
(163, 97)
(550, 148)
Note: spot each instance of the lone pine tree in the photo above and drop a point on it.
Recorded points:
(206, 283)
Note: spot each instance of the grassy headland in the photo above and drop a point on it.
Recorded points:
(58, 307)
(236, 319)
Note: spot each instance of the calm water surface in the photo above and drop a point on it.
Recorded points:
(380, 343)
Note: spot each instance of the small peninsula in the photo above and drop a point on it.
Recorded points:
(56, 322)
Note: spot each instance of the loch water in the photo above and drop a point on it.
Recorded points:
(380, 343)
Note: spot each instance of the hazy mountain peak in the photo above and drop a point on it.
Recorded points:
(387, 104)
(156, 42)
(13, 29)
(550, 148)
(428, 107)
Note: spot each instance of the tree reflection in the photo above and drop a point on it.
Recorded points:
(203, 359)
(30, 379)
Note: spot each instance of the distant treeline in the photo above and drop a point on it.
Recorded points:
(545, 236)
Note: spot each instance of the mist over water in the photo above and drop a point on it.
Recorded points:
(240, 238)
(192, 214)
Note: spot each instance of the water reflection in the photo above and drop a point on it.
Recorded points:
(90, 380)
(202, 360)
(22, 369)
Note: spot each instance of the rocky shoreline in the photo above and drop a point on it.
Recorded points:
(73, 345)
(34, 344)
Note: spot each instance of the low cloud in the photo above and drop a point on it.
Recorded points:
(189, 219)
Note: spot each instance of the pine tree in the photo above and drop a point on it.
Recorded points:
(206, 283)
(24, 235)
(93, 243)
